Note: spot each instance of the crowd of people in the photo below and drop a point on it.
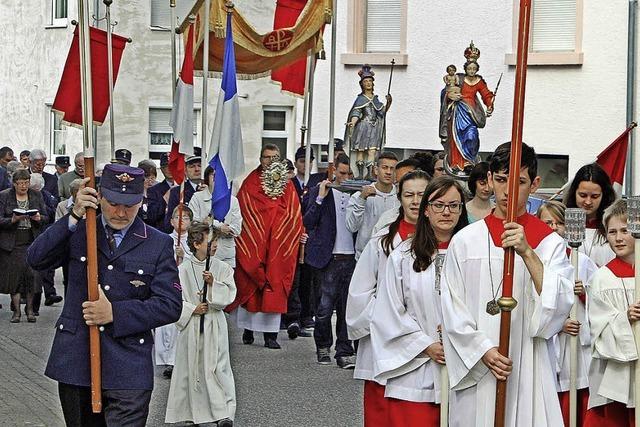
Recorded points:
(410, 265)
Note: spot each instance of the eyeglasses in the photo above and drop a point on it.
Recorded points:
(274, 157)
(438, 207)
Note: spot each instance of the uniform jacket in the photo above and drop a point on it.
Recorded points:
(51, 184)
(8, 203)
(141, 281)
(157, 207)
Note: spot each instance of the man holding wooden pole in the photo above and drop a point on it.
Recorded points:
(472, 282)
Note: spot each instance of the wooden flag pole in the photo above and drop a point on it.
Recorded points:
(507, 303)
(89, 165)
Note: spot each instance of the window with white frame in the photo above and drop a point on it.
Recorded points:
(553, 26)
(57, 134)
(58, 13)
(161, 12)
(161, 134)
(275, 127)
(383, 23)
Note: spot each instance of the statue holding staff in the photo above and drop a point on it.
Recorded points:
(462, 113)
(365, 124)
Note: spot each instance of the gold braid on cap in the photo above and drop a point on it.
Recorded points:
(274, 179)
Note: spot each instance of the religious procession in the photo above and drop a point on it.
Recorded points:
(291, 244)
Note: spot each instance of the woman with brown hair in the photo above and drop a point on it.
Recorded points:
(369, 271)
(22, 215)
(407, 319)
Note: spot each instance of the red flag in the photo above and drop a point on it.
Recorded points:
(292, 76)
(182, 114)
(614, 158)
(68, 98)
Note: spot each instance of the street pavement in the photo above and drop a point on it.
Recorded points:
(273, 387)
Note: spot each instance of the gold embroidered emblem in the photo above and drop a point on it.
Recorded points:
(125, 177)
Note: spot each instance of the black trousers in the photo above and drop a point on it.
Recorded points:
(126, 408)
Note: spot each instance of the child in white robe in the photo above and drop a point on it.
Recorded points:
(167, 335)
(406, 320)
(472, 284)
(369, 271)
(552, 213)
(202, 386)
(612, 310)
(591, 190)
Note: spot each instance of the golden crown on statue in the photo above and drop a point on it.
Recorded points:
(472, 53)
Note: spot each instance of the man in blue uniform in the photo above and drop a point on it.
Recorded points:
(139, 290)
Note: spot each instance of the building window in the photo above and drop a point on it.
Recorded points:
(383, 22)
(161, 13)
(553, 171)
(161, 134)
(58, 13)
(377, 32)
(57, 134)
(275, 127)
(556, 33)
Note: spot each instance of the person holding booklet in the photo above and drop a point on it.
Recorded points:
(22, 216)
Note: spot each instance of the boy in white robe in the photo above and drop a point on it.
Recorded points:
(167, 335)
(552, 213)
(612, 310)
(202, 386)
(471, 284)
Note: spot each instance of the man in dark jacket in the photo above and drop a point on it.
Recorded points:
(330, 249)
(139, 291)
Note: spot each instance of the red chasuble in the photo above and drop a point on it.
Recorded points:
(267, 248)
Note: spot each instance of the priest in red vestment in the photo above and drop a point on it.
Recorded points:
(267, 249)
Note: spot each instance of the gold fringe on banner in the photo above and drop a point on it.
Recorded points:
(258, 54)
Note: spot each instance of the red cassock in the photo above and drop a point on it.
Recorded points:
(613, 414)
(267, 248)
(583, 402)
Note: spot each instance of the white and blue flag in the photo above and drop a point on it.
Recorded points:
(227, 158)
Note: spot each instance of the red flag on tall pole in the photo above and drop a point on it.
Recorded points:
(182, 119)
(613, 159)
(292, 76)
(68, 99)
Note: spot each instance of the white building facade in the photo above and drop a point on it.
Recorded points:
(576, 83)
(35, 47)
(575, 96)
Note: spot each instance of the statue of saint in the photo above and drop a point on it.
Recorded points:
(365, 125)
(462, 114)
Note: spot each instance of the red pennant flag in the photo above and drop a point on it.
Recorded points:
(292, 76)
(68, 98)
(613, 159)
(182, 117)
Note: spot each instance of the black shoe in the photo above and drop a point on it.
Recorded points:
(168, 372)
(304, 332)
(324, 356)
(346, 362)
(247, 337)
(226, 422)
(53, 299)
(272, 344)
(293, 330)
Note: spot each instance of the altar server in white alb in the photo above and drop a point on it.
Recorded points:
(612, 311)
(471, 284)
(552, 214)
(202, 386)
(229, 229)
(167, 335)
(591, 190)
(369, 271)
(406, 323)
